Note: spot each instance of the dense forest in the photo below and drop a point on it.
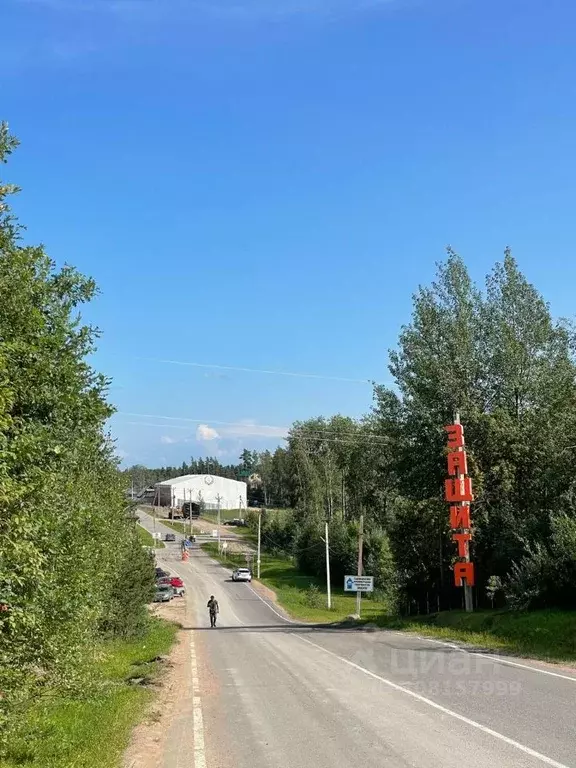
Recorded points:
(138, 477)
(495, 354)
(72, 569)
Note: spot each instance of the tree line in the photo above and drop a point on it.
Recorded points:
(495, 354)
(138, 478)
(72, 571)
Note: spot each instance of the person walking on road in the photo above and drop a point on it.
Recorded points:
(214, 609)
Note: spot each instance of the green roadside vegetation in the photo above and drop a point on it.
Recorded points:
(302, 596)
(147, 540)
(230, 514)
(225, 514)
(75, 580)
(93, 731)
(183, 528)
(549, 634)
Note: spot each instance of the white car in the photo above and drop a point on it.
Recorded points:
(242, 574)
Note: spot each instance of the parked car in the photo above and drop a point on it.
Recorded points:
(178, 586)
(242, 574)
(164, 593)
(160, 572)
(170, 537)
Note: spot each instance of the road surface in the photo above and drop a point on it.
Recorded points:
(273, 693)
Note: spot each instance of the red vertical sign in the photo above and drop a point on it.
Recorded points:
(458, 491)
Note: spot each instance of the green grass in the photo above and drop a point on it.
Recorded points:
(183, 528)
(548, 635)
(93, 733)
(243, 531)
(211, 515)
(292, 590)
(147, 540)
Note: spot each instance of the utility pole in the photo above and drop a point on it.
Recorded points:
(218, 500)
(360, 564)
(328, 586)
(468, 596)
(154, 513)
(259, 541)
(190, 515)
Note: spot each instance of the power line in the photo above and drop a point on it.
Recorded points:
(207, 422)
(293, 374)
(316, 434)
(377, 439)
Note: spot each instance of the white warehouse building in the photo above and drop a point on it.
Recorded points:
(201, 488)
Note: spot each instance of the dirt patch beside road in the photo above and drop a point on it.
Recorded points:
(148, 742)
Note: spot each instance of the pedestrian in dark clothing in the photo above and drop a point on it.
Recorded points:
(214, 609)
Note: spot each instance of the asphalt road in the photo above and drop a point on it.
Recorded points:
(271, 692)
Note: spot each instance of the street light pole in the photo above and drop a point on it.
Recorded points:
(259, 541)
(360, 558)
(328, 586)
(218, 500)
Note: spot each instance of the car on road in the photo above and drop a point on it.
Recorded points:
(170, 537)
(178, 586)
(164, 593)
(242, 574)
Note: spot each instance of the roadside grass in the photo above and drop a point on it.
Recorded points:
(147, 540)
(548, 634)
(183, 528)
(211, 517)
(63, 732)
(302, 596)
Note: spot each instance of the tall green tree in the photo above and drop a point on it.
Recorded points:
(64, 532)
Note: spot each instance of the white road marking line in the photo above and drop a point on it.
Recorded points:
(440, 708)
(491, 656)
(197, 719)
(523, 666)
(290, 621)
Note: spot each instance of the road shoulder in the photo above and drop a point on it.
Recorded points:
(149, 743)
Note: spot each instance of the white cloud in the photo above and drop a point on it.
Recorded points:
(205, 433)
(249, 428)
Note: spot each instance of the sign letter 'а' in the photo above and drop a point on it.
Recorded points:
(464, 572)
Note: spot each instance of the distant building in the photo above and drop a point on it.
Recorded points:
(200, 489)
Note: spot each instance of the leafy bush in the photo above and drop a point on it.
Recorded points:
(313, 596)
(546, 575)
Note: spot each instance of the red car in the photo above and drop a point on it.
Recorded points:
(177, 585)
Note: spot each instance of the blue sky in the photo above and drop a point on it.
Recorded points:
(263, 184)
